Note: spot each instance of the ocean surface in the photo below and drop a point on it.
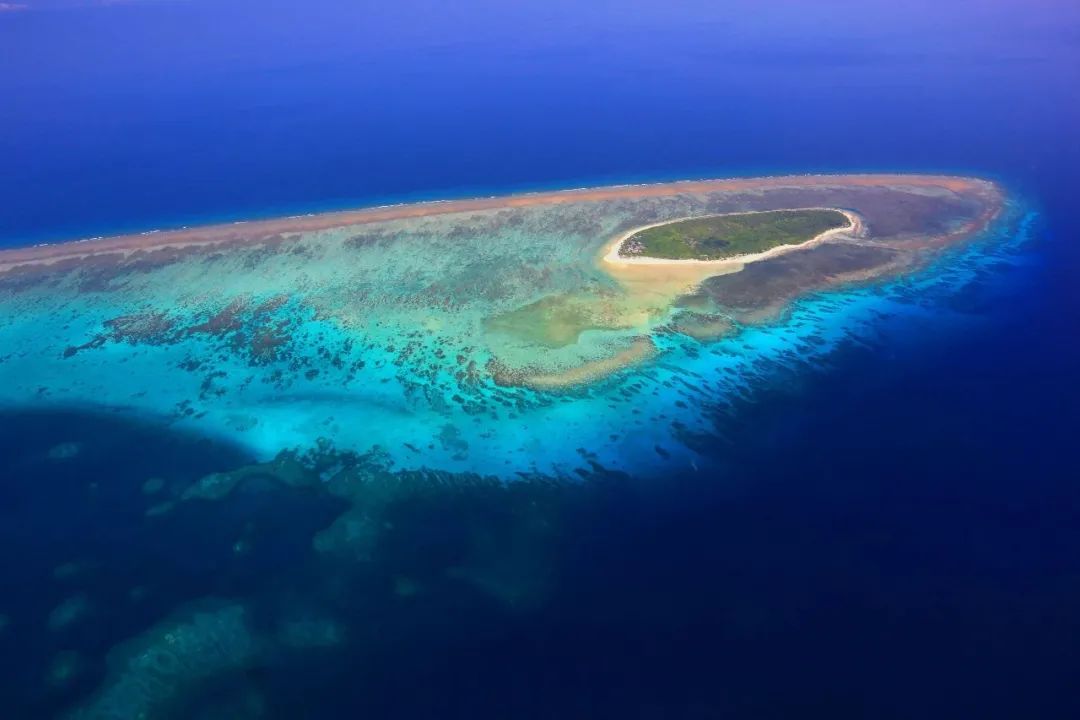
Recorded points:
(884, 517)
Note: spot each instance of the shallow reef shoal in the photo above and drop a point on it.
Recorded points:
(452, 335)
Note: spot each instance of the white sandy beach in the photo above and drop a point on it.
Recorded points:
(611, 250)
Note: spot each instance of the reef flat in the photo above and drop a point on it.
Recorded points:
(455, 335)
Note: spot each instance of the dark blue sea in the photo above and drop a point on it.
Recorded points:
(894, 534)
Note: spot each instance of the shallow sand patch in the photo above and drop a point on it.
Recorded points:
(559, 320)
(639, 350)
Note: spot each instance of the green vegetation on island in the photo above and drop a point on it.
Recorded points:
(722, 236)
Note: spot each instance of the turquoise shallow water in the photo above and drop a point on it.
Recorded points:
(878, 517)
(359, 350)
(226, 589)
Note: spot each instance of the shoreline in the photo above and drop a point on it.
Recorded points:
(611, 255)
(243, 232)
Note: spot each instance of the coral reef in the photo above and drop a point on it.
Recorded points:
(153, 486)
(152, 673)
(69, 612)
(63, 669)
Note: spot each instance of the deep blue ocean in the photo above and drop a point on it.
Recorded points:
(894, 535)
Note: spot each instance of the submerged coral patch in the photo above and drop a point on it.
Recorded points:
(508, 319)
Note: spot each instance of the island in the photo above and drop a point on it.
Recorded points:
(722, 237)
(436, 328)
